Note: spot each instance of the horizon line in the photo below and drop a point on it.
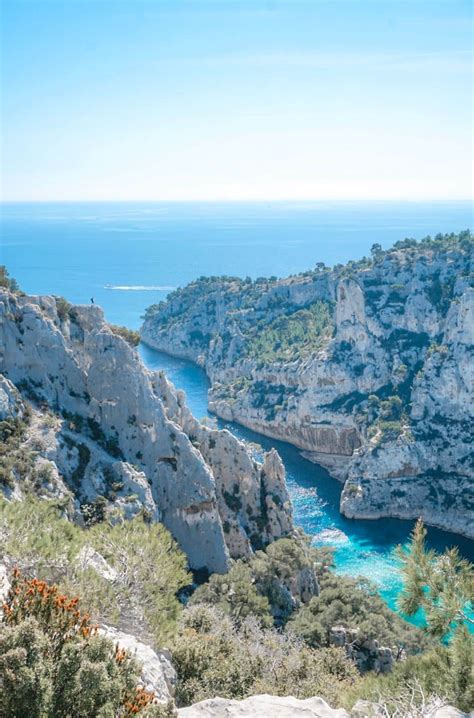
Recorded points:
(220, 200)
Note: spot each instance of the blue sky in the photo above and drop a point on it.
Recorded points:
(366, 99)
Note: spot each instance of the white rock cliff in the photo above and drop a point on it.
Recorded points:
(384, 401)
(109, 429)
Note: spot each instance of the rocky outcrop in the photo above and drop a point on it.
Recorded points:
(11, 404)
(367, 654)
(119, 438)
(157, 672)
(262, 707)
(368, 368)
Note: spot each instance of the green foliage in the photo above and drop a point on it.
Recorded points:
(235, 594)
(131, 336)
(150, 568)
(391, 409)
(63, 308)
(463, 241)
(293, 336)
(54, 665)
(352, 603)
(391, 430)
(438, 673)
(6, 281)
(261, 586)
(13, 460)
(441, 584)
(275, 570)
(215, 656)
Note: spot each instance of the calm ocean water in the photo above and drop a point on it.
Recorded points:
(127, 256)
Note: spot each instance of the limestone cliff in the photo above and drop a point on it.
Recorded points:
(86, 421)
(367, 368)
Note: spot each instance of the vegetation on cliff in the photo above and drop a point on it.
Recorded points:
(365, 367)
(131, 337)
(241, 633)
(54, 663)
(442, 585)
(6, 281)
(293, 336)
(217, 656)
(146, 565)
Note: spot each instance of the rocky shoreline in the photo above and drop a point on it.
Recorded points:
(367, 368)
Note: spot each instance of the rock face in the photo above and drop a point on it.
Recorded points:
(120, 438)
(288, 707)
(157, 672)
(366, 654)
(368, 368)
(262, 707)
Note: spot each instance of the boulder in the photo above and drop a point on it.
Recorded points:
(158, 674)
(263, 706)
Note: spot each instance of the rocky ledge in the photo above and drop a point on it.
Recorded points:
(368, 368)
(264, 706)
(84, 420)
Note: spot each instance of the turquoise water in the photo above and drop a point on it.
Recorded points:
(127, 256)
(362, 548)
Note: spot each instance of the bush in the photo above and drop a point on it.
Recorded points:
(435, 672)
(14, 460)
(150, 568)
(63, 308)
(353, 604)
(54, 664)
(213, 656)
(131, 337)
(262, 586)
(235, 595)
(293, 336)
(6, 281)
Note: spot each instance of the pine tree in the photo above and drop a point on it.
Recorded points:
(441, 584)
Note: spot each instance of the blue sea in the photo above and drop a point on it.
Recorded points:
(127, 256)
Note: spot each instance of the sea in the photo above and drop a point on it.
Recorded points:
(126, 256)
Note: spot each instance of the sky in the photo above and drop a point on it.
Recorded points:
(236, 100)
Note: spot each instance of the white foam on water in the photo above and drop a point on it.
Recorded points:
(331, 536)
(139, 288)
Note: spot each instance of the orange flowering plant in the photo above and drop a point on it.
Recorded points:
(64, 668)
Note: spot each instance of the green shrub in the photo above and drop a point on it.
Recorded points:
(131, 336)
(53, 663)
(215, 656)
(436, 672)
(353, 603)
(235, 594)
(6, 281)
(15, 460)
(150, 567)
(63, 308)
(293, 336)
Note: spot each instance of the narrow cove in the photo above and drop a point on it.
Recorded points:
(362, 548)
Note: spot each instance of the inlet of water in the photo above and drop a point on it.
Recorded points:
(361, 548)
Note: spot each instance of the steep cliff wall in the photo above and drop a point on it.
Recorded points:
(368, 368)
(116, 437)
